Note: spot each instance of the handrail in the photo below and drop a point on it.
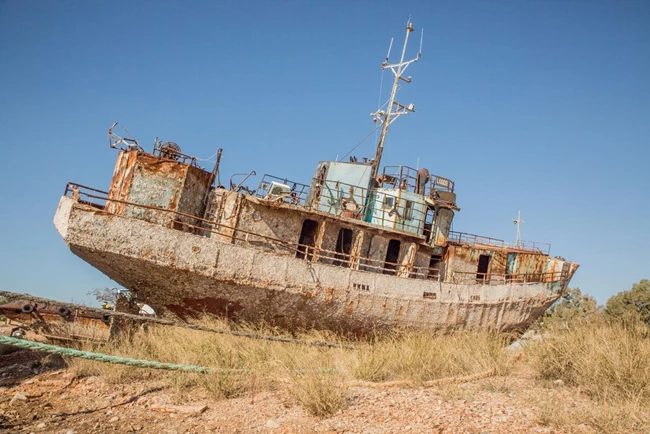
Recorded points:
(472, 239)
(70, 185)
(496, 278)
(407, 177)
(297, 194)
(348, 200)
(308, 252)
(291, 247)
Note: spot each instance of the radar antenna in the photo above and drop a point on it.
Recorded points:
(393, 108)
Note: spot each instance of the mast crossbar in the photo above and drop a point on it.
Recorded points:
(393, 108)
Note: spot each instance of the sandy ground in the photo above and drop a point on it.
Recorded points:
(37, 394)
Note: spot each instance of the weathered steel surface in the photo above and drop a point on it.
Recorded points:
(188, 274)
(56, 320)
(145, 179)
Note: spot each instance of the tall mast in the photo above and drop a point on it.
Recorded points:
(393, 108)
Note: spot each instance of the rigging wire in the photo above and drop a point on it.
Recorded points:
(381, 91)
(362, 140)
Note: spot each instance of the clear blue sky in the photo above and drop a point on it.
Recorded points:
(542, 106)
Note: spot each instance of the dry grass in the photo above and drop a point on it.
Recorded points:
(420, 357)
(604, 368)
(579, 414)
(608, 361)
(316, 377)
(608, 367)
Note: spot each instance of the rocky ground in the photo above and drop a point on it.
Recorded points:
(37, 394)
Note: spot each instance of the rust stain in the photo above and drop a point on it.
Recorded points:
(329, 295)
(56, 319)
(121, 181)
(195, 307)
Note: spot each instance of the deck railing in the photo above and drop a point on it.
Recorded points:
(471, 239)
(470, 277)
(407, 178)
(347, 200)
(202, 227)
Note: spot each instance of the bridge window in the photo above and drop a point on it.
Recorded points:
(428, 224)
(408, 209)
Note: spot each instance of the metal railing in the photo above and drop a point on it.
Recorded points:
(471, 277)
(171, 151)
(296, 193)
(471, 239)
(346, 200)
(406, 178)
(202, 227)
(206, 228)
(72, 189)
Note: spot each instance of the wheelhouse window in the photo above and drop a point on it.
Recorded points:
(408, 209)
(389, 202)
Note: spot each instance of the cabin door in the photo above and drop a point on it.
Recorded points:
(392, 255)
(307, 240)
(511, 266)
(482, 275)
(343, 248)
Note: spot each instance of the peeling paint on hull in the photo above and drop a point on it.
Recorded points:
(185, 275)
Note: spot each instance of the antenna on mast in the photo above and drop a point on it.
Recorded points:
(389, 48)
(518, 222)
(393, 109)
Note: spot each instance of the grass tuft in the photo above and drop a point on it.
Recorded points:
(315, 377)
(608, 361)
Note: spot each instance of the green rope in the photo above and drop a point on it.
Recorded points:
(105, 358)
(37, 346)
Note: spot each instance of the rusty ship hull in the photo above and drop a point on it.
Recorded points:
(358, 248)
(189, 275)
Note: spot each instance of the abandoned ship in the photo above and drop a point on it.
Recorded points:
(360, 247)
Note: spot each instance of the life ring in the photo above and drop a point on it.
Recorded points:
(27, 308)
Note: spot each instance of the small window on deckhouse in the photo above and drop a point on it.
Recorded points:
(408, 210)
(389, 202)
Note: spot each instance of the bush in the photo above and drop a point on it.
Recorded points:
(572, 306)
(632, 305)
